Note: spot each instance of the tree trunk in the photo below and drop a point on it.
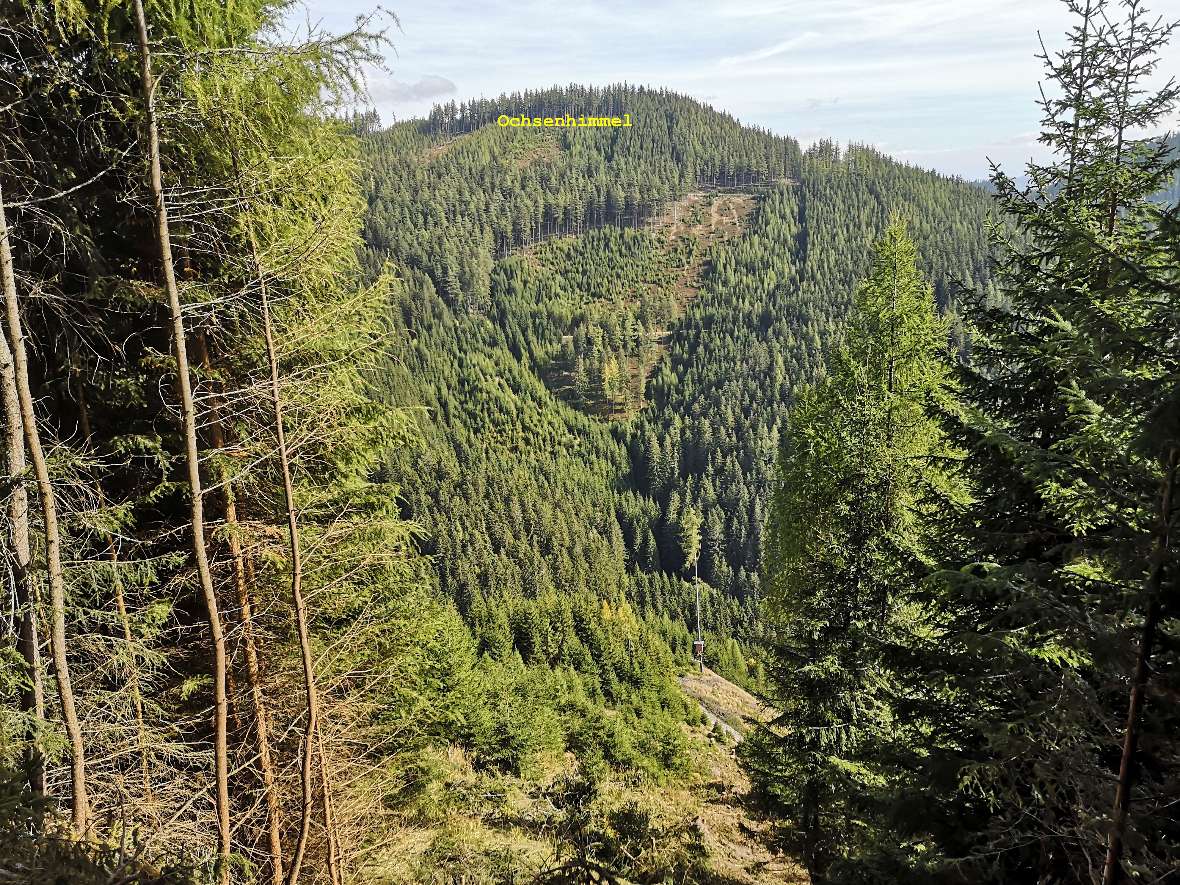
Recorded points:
(220, 748)
(32, 699)
(1122, 801)
(309, 737)
(810, 825)
(335, 862)
(80, 804)
(258, 699)
(250, 643)
(1121, 128)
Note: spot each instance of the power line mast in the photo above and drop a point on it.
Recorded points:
(698, 647)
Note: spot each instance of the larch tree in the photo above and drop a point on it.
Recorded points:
(19, 562)
(865, 470)
(290, 229)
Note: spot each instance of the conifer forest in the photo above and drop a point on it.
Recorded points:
(441, 501)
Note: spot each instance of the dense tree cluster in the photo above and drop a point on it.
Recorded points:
(770, 305)
(866, 471)
(450, 206)
(515, 492)
(588, 312)
(974, 633)
(227, 587)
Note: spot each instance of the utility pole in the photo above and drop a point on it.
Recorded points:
(690, 547)
(699, 645)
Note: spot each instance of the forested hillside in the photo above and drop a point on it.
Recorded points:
(324, 489)
(365, 487)
(1169, 194)
(599, 353)
(770, 308)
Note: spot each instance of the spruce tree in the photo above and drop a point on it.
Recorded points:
(1055, 609)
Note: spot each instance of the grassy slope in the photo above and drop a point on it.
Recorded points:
(473, 826)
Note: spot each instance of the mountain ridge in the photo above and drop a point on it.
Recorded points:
(825, 200)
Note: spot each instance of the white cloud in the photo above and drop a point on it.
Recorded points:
(395, 91)
(947, 79)
(771, 51)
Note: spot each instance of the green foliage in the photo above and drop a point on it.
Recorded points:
(1071, 426)
(251, 159)
(522, 411)
(518, 718)
(972, 730)
(509, 484)
(690, 536)
(772, 304)
(864, 473)
(580, 317)
(586, 312)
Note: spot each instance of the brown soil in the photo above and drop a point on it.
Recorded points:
(710, 218)
(739, 842)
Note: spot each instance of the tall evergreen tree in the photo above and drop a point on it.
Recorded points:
(1056, 608)
(864, 469)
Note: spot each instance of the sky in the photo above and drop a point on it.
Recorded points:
(941, 84)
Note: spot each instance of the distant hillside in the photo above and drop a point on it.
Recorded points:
(770, 306)
(1171, 195)
(452, 193)
(606, 327)
(1168, 196)
(528, 355)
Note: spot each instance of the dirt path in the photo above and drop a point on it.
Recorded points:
(739, 842)
(722, 701)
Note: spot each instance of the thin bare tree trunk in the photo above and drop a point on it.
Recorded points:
(253, 669)
(80, 804)
(297, 600)
(231, 691)
(261, 720)
(1122, 800)
(220, 742)
(32, 699)
(335, 862)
